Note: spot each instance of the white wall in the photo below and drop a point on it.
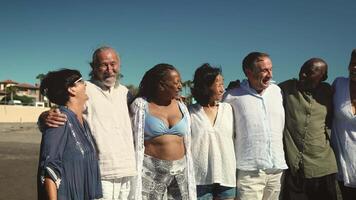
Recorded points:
(11, 113)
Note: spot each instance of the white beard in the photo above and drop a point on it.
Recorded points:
(109, 82)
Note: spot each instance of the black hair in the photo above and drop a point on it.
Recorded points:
(152, 78)
(56, 83)
(204, 78)
(249, 62)
(353, 55)
(310, 63)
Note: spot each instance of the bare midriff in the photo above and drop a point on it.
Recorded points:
(165, 147)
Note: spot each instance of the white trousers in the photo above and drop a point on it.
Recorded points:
(116, 189)
(259, 184)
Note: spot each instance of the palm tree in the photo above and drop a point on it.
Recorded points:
(187, 84)
(133, 89)
(40, 77)
(119, 76)
(187, 95)
(12, 91)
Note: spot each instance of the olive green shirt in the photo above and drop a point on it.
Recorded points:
(306, 138)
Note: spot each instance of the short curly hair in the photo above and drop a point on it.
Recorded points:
(204, 78)
(56, 83)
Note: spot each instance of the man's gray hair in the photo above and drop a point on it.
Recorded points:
(95, 60)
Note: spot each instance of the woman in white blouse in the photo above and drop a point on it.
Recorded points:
(343, 134)
(212, 136)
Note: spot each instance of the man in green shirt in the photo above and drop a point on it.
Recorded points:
(308, 109)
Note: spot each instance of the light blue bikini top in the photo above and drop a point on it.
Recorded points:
(155, 127)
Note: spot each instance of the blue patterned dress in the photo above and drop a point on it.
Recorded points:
(68, 156)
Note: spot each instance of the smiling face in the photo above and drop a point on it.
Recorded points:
(79, 88)
(260, 77)
(217, 89)
(312, 75)
(77, 93)
(172, 85)
(107, 67)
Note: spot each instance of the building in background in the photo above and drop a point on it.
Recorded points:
(7, 83)
(25, 89)
(28, 94)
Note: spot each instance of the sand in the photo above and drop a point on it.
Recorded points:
(19, 148)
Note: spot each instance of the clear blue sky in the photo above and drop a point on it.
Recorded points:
(38, 36)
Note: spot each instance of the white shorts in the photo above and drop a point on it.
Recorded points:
(116, 189)
(259, 184)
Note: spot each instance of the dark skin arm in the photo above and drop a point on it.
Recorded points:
(330, 114)
(52, 118)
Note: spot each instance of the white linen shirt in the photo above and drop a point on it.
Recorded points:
(213, 146)
(108, 117)
(259, 123)
(343, 135)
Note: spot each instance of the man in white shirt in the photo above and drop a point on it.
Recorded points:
(259, 122)
(108, 117)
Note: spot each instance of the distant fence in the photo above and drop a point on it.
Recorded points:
(15, 113)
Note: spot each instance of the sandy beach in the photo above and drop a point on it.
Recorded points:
(19, 148)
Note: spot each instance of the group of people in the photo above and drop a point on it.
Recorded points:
(257, 140)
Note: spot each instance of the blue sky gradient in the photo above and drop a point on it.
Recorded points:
(39, 36)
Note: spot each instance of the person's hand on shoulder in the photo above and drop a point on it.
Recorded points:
(233, 84)
(52, 118)
(55, 118)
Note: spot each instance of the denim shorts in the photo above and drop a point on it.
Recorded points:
(205, 192)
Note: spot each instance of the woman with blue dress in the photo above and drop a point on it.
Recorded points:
(68, 165)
